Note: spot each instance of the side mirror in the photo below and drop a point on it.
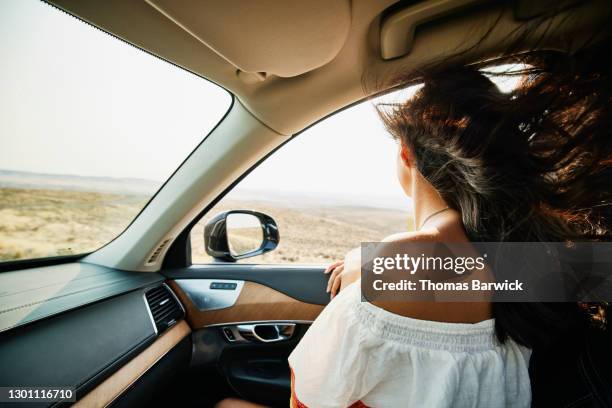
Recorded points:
(239, 234)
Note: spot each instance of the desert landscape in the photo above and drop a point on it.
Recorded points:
(49, 219)
(37, 223)
(310, 234)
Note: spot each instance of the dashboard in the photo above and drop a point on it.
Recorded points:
(93, 330)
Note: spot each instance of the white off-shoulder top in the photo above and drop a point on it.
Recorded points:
(358, 355)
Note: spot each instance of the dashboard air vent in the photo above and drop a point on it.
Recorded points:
(165, 308)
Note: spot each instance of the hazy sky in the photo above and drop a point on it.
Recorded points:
(348, 154)
(75, 100)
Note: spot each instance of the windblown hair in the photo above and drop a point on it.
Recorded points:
(534, 164)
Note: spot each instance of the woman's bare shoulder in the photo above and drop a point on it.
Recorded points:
(450, 312)
(445, 232)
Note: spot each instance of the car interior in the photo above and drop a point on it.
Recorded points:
(137, 322)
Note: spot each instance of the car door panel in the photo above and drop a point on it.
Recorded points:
(233, 297)
(303, 283)
(254, 371)
(255, 302)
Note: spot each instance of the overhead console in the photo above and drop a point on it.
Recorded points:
(401, 21)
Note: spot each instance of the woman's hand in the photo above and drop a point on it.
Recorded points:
(333, 283)
(344, 272)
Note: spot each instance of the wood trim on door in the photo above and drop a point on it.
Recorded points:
(256, 302)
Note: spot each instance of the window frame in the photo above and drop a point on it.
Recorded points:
(19, 264)
(179, 253)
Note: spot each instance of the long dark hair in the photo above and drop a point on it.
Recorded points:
(534, 164)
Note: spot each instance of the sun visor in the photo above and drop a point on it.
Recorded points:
(283, 38)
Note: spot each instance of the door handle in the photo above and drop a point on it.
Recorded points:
(264, 332)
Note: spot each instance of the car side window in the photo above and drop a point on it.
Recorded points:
(328, 189)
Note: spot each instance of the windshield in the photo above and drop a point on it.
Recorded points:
(90, 128)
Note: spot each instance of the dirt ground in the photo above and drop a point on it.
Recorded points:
(39, 223)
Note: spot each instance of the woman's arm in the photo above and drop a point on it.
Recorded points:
(344, 272)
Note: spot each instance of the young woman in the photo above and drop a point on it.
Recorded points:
(480, 165)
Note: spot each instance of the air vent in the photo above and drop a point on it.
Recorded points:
(164, 307)
(153, 258)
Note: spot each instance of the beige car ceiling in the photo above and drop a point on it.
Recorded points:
(293, 62)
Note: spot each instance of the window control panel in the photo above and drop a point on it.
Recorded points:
(211, 294)
(223, 285)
